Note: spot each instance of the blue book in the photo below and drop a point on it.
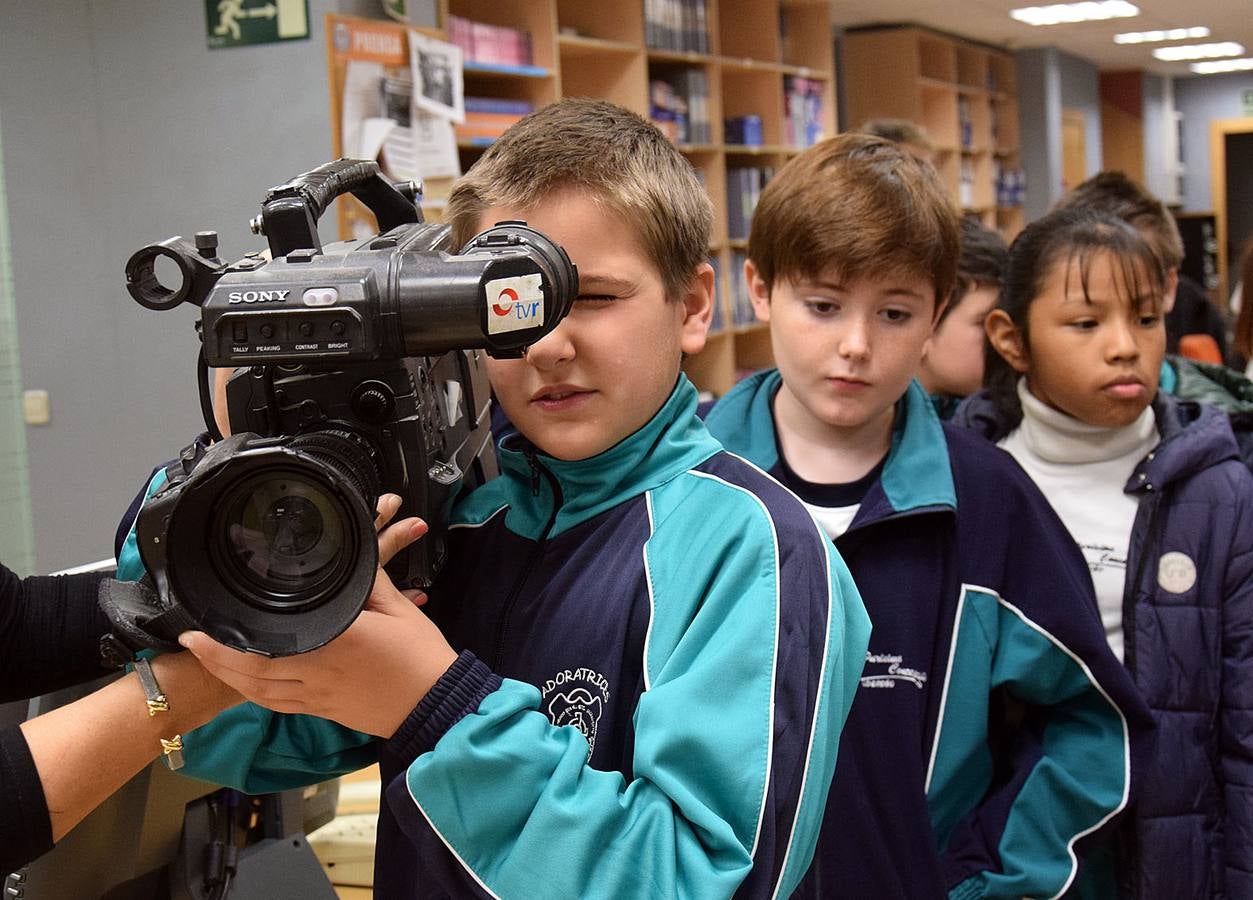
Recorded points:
(498, 106)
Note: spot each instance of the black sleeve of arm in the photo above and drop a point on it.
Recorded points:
(25, 829)
(50, 629)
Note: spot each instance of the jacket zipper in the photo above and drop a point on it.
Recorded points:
(506, 613)
(1146, 515)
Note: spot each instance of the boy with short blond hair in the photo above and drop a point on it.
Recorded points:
(631, 676)
(978, 596)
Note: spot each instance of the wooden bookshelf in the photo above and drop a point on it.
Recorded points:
(964, 94)
(601, 50)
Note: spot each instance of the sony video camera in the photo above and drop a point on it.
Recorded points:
(357, 373)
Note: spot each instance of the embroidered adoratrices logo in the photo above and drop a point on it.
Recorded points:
(576, 698)
(895, 672)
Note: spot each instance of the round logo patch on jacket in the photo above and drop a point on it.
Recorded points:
(576, 698)
(1176, 572)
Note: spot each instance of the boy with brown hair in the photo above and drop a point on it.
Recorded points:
(631, 676)
(979, 598)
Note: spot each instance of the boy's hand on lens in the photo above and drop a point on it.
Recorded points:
(369, 678)
(386, 507)
(394, 538)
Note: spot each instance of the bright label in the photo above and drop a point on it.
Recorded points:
(235, 23)
(515, 303)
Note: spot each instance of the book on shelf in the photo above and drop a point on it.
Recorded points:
(741, 303)
(1011, 186)
(964, 123)
(490, 44)
(676, 25)
(718, 321)
(745, 131)
(802, 110)
(744, 184)
(679, 106)
(966, 187)
(489, 117)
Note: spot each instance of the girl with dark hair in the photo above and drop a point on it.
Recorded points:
(1153, 491)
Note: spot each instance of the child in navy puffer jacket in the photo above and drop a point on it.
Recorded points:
(1154, 492)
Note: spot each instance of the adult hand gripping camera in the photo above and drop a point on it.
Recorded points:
(358, 372)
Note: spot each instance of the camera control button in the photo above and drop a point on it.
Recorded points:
(338, 327)
(306, 329)
(239, 332)
(326, 296)
(267, 331)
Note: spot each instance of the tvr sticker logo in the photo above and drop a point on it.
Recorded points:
(514, 304)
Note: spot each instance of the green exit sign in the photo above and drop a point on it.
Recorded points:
(235, 23)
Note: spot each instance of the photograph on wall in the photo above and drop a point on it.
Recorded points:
(437, 84)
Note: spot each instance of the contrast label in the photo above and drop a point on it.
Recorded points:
(514, 304)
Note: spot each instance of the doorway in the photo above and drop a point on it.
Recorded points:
(1074, 149)
(1231, 189)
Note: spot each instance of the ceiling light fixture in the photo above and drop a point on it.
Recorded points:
(1156, 37)
(1066, 13)
(1199, 51)
(1225, 65)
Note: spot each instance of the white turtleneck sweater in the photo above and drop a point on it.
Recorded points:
(1082, 470)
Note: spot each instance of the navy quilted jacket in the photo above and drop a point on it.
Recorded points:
(1188, 620)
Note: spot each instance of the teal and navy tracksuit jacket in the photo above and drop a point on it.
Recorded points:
(658, 650)
(994, 730)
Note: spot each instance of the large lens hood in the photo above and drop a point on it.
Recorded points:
(267, 546)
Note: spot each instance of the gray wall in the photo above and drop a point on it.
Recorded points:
(17, 546)
(1158, 166)
(1040, 127)
(1081, 90)
(1048, 81)
(1199, 99)
(121, 127)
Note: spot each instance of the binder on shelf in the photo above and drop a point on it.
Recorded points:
(745, 131)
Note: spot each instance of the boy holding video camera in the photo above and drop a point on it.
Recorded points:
(631, 676)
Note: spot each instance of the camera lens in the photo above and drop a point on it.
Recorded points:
(283, 540)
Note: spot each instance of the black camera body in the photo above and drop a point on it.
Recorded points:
(359, 370)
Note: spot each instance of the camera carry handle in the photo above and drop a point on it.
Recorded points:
(290, 212)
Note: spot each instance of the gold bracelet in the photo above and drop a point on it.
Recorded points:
(157, 702)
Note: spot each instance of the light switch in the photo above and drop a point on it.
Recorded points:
(35, 407)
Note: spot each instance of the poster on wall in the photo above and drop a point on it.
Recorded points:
(382, 115)
(238, 23)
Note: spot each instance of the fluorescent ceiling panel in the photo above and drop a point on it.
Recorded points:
(1156, 37)
(1066, 13)
(1199, 51)
(1224, 65)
